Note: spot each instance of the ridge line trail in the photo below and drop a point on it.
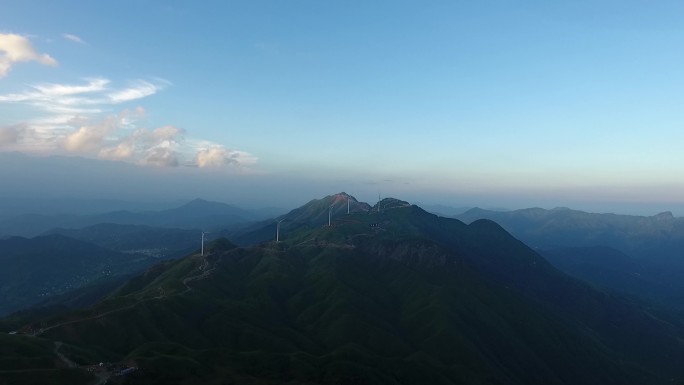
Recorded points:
(204, 274)
(100, 377)
(65, 359)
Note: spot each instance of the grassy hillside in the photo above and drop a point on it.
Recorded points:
(28, 361)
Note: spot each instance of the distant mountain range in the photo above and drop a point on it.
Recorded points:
(93, 248)
(640, 255)
(155, 241)
(639, 236)
(196, 214)
(388, 294)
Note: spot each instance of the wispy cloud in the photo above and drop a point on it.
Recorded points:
(137, 90)
(16, 49)
(73, 38)
(77, 118)
(93, 85)
(89, 98)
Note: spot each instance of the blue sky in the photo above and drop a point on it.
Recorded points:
(492, 103)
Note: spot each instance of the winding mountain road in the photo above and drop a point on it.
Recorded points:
(204, 274)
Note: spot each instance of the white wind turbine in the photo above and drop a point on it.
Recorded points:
(278, 231)
(202, 252)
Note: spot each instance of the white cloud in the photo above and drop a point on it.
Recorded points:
(122, 151)
(89, 137)
(73, 38)
(166, 133)
(161, 156)
(90, 97)
(166, 147)
(77, 119)
(138, 90)
(16, 49)
(51, 89)
(219, 156)
(162, 146)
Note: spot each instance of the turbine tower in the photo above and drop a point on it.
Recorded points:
(278, 231)
(202, 252)
(330, 214)
(348, 199)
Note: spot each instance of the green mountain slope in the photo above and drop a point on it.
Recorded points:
(309, 216)
(29, 361)
(390, 296)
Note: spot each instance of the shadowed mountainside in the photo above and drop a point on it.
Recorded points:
(588, 246)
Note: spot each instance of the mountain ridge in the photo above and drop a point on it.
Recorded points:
(197, 213)
(396, 295)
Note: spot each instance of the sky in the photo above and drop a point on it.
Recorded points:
(273, 103)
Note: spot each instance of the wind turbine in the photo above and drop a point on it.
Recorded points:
(203, 232)
(278, 231)
(330, 214)
(348, 198)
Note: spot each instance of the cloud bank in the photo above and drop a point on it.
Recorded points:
(78, 119)
(16, 49)
(82, 119)
(219, 156)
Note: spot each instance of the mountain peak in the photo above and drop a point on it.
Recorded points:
(341, 197)
(316, 211)
(199, 202)
(390, 203)
(664, 215)
(220, 245)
